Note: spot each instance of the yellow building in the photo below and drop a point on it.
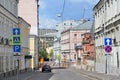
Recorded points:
(24, 61)
(33, 45)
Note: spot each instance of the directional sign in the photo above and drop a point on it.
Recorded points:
(108, 49)
(16, 31)
(16, 40)
(107, 41)
(17, 48)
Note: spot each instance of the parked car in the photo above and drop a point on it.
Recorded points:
(46, 67)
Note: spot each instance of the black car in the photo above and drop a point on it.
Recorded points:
(46, 67)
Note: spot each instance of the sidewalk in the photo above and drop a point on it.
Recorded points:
(20, 76)
(99, 76)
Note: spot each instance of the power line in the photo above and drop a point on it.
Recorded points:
(63, 9)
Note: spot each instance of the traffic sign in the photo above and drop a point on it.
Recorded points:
(16, 31)
(108, 49)
(107, 41)
(16, 40)
(70, 60)
(17, 48)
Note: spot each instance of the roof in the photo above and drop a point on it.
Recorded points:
(99, 3)
(85, 26)
(92, 30)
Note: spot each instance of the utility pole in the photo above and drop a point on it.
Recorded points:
(83, 13)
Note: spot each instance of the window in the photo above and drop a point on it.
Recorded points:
(75, 44)
(70, 23)
(64, 23)
(74, 56)
(75, 35)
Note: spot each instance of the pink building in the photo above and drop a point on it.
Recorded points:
(28, 10)
(71, 38)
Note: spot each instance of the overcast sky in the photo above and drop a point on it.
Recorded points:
(74, 9)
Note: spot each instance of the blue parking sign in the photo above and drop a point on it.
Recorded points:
(17, 48)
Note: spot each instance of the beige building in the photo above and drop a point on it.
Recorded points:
(8, 21)
(107, 25)
(33, 51)
(24, 62)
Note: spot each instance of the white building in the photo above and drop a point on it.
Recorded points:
(57, 48)
(8, 20)
(66, 25)
(107, 25)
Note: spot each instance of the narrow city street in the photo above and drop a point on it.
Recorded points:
(56, 74)
(66, 74)
(72, 39)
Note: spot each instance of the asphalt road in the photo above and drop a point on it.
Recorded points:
(60, 74)
(56, 74)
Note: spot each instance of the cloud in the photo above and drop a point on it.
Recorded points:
(42, 4)
(80, 1)
(47, 23)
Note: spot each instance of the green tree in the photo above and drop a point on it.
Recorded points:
(43, 53)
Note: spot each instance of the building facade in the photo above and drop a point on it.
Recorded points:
(29, 11)
(57, 47)
(8, 21)
(61, 27)
(33, 51)
(66, 25)
(107, 24)
(87, 53)
(25, 57)
(71, 38)
(47, 36)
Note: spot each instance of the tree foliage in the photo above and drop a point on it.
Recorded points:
(43, 53)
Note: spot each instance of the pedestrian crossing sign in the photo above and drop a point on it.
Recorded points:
(16, 40)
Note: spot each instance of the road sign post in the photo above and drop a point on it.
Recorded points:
(108, 45)
(108, 50)
(16, 42)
